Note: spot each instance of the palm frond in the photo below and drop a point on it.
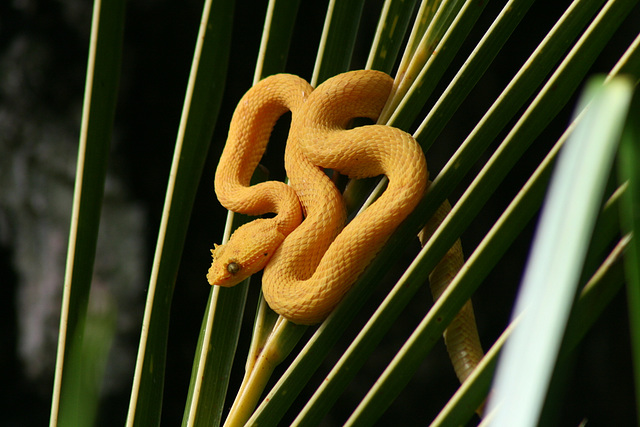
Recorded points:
(441, 52)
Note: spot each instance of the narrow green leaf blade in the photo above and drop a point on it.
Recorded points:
(552, 274)
(202, 102)
(338, 39)
(214, 355)
(594, 298)
(629, 171)
(276, 37)
(390, 33)
(103, 73)
(87, 362)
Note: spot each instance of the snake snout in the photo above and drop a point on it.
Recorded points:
(248, 251)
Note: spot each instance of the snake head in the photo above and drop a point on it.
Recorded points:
(248, 251)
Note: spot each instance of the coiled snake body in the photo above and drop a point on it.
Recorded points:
(307, 273)
(310, 264)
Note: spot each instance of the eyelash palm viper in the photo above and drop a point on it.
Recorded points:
(310, 264)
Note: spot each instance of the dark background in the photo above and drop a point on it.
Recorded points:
(159, 42)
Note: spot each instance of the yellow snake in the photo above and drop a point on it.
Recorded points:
(309, 265)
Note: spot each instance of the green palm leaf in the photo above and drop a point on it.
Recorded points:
(76, 386)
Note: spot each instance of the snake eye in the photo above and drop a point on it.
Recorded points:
(233, 267)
